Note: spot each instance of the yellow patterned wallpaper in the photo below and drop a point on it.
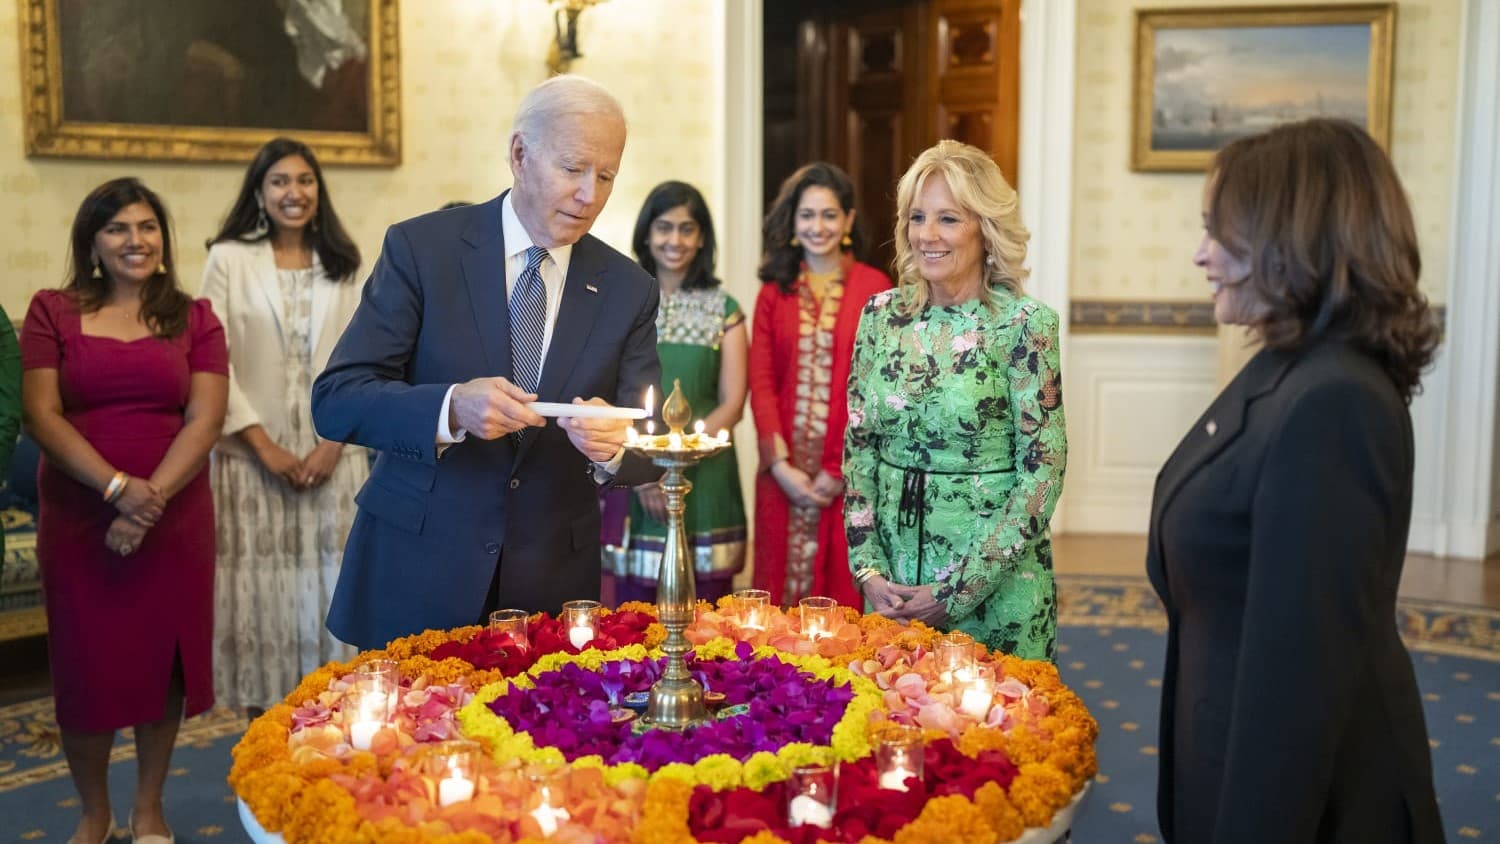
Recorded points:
(464, 66)
(1134, 233)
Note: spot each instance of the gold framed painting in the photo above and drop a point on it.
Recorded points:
(1204, 77)
(210, 80)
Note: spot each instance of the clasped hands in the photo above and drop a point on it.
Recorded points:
(806, 490)
(490, 408)
(311, 471)
(904, 603)
(139, 506)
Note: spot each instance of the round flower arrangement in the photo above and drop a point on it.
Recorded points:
(561, 758)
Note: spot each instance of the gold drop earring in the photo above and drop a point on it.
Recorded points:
(847, 242)
(794, 241)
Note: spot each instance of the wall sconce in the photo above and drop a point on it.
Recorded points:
(565, 45)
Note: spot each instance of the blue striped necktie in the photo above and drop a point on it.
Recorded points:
(528, 321)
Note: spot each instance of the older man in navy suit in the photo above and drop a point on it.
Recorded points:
(471, 313)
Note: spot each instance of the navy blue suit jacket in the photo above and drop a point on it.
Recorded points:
(430, 530)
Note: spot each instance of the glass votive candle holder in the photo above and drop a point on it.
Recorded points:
(976, 691)
(754, 608)
(366, 710)
(955, 652)
(512, 622)
(818, 616)
(549, 796)
(453, 765)
(898, 755)
(582, 620)
(812, 798)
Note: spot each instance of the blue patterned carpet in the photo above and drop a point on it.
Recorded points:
(1111, 641)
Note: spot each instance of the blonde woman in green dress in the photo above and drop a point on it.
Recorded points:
(956, 442)
(701, 340)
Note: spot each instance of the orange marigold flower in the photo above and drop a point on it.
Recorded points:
(1038, 791)
(978, 738)
(947, 819)
(765, 836)
(664, 815)
(1002, 815)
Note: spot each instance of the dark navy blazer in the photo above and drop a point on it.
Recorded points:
(430, 530)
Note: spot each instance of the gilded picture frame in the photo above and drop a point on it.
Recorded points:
(1204, 77)
(210, 80)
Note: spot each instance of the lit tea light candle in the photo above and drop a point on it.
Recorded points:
(548, 818)
(698, 427)
(362, 733)
(809, 811)
(582, 618)
(978, 691)
(455, 788)
(898, 755)
(370, 718)
(818, 617)
(895, 779)
(674, 441)
(723, 436)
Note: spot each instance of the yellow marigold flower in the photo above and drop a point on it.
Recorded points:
(870, 839)
(765, 836)
(947, 819)
(1003, 817)
(762, 769)
(800, 753)
(1038, 791)
(719, 647)
(638, 606)
(615, 774)
(719, 771)
(675, 771)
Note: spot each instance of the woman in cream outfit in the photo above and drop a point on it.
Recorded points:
(281, 276)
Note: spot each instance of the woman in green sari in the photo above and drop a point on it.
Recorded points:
(701, 339)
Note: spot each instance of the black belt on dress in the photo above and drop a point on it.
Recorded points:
(912, 511)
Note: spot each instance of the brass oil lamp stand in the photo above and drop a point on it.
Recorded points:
(676, 701)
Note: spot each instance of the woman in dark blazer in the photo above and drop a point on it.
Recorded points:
(1289, 708)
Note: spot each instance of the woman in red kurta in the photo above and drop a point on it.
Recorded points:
(124, 391)
(803, 339)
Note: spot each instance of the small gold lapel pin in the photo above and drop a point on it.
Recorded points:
(591, 288)
(1212, 427)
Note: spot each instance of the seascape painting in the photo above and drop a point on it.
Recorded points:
(1206, 85)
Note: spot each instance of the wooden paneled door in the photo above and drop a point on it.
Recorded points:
(869, 84)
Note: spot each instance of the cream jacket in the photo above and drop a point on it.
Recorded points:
(240, 280)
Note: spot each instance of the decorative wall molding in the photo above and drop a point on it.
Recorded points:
(1130, 400)
(1106, 315)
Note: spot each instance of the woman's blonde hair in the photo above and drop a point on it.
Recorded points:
(980, 188)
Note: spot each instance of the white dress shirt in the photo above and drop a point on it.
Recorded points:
(554, 270)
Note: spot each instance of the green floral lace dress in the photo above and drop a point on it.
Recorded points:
(954, 460)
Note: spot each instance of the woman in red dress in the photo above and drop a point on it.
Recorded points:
(803, 339)
(125, 384)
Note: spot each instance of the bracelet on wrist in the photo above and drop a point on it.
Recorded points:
(116, 487)
(862, 576)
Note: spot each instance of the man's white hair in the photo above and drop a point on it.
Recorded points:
(558, 96)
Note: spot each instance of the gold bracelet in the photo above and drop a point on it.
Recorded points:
(116, 487)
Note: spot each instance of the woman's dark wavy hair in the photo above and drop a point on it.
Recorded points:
(326, 234)
(164, 305)
(780, 261)
(663, 198)
(1318, 211)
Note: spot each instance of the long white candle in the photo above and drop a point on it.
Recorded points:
(580, 635)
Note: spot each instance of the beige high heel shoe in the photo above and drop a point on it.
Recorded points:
(109, 833)
(169, 838)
